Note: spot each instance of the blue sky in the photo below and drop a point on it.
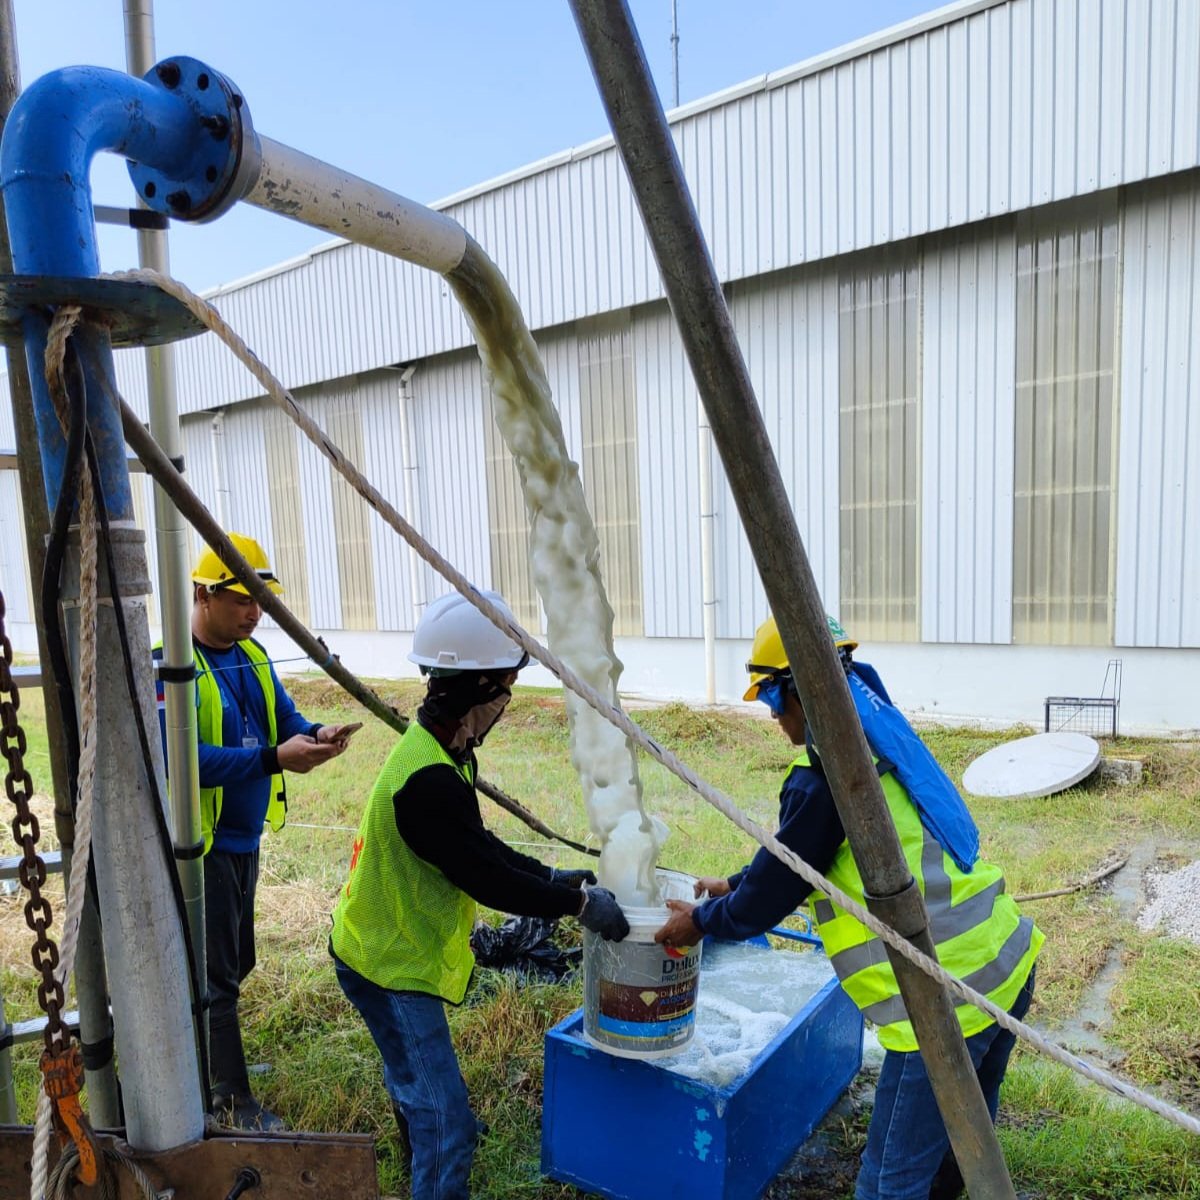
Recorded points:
(424, 98)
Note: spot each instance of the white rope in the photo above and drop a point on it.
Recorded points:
(60, 329)
(211, 318)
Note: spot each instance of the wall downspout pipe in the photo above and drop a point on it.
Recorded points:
(174, 576)
(697, 302)
(220, 471)
(708, 587)
(416, 567)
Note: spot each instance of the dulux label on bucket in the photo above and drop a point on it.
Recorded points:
(639, 997)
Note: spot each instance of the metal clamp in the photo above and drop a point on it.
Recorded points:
(62, 1074)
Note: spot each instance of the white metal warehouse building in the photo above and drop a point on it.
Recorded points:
(962, 260)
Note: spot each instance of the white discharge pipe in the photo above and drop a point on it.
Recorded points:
(313, 192)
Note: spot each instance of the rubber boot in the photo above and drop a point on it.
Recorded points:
(233, 1103)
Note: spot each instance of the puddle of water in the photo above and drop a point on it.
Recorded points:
(1085, 1031)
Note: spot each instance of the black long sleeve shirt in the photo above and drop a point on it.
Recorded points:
(437, 814)
(766, 891)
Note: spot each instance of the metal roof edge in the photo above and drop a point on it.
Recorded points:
(760, 83)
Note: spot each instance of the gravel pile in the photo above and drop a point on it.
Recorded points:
(1174, 902)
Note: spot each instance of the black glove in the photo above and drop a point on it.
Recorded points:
(602, 914)
(575, 879)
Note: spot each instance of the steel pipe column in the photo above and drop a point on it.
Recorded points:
(174, 577)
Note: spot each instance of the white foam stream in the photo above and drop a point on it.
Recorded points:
(565, 554)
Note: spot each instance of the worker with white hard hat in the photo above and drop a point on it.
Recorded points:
(420, 862)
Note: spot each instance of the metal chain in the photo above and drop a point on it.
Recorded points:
(19, 787)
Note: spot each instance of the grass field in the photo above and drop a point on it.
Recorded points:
(1064, 1139)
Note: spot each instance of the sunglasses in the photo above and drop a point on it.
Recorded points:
(774, 693)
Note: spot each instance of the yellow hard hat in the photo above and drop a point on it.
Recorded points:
(214, 574)
(768, 657)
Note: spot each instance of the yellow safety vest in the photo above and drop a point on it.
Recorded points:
(211, 724)
(979, 935)
(399, 922)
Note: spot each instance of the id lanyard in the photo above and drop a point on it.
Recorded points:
(249, 741)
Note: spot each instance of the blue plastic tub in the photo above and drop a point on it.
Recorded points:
(633, 1130)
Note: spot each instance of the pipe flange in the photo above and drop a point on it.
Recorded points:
(225, 159)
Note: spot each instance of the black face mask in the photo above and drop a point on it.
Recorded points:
(462, 709)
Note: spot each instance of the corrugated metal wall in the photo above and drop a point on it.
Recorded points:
(199, 469)
(608, 462)
(1158, 493)
(879, 412)
(787, 326)
(448, 435)
(967, 436)
(383, 462)
(14, 574)
(1064, 464)
(971, 116)
(967, 120)
(668, 477)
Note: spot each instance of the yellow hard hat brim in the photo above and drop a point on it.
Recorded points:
(274, 585)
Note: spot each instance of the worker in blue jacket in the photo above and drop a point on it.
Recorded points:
(250, 733)
(979, 935)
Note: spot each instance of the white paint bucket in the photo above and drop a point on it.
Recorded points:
(639, 998)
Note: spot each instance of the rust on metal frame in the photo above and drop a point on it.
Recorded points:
(310, 1166)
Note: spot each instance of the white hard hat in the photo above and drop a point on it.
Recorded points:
(453, 635)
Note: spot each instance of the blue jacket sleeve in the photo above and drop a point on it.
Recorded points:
(767, 891)
(289, 721)
(222, 765)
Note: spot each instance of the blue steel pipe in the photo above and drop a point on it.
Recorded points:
(55, 129)
(59, 124)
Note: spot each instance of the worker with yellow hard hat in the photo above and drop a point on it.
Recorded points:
(250, 734)
(979, 934)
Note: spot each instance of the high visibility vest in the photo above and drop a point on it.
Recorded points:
(979, 935)
(399, 922)
(211, 724)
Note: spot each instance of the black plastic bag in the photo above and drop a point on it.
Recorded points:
(525, 947)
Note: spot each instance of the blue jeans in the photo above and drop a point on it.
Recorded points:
(420, 1072)
(907, 1143)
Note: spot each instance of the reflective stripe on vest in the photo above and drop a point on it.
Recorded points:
(211, 722)
(399, 922)
(979, 935)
